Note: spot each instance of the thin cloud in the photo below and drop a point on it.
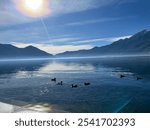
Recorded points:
(93, 21)
(61, 40)
(71, 6)
(101, 20)
(110, 39)
(81, 41)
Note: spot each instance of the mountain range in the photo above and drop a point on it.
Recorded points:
(137, 44)
(10, 51)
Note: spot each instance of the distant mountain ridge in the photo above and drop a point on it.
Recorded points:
(10, 51)
(137, 44)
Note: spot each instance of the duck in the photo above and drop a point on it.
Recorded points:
(60, 83)
(54, 79)
(74, 86)
(122, 76)
(139, 78)
(87, 84)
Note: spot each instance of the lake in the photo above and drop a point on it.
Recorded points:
(29, 81)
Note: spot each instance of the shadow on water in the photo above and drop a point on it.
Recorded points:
(106, 93)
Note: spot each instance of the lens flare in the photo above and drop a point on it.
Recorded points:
(33, 8)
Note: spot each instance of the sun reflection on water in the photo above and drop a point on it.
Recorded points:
(64, 67)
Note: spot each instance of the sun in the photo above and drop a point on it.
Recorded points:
(32, 8)
(33, 5)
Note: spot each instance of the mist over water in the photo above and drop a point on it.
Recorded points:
(30, 81)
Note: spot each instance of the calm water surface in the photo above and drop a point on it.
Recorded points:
(30, 81)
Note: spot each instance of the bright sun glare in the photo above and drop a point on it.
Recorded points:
(33, 5)
(33, 8)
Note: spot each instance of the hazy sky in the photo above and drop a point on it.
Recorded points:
(73, 24)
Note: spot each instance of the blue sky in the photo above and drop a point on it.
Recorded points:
(73, 24)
